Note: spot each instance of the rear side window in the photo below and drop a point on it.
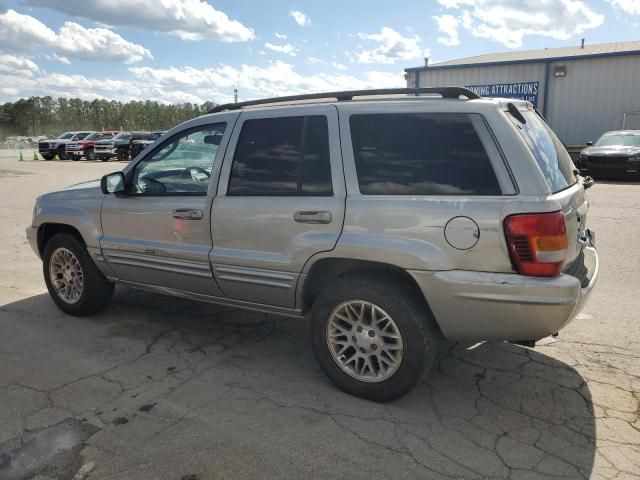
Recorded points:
(550, 154)
(285, 156)
(420, 154)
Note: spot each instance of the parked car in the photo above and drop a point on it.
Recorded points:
(118, 146)
(138, 146)
(389, 222)
(57, 146)
(615, 154)
(85, 147)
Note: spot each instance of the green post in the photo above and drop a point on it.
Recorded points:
(21, 159)
(35, 156)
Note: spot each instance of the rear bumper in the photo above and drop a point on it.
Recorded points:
(504, 306)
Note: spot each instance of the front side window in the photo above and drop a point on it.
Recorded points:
(420, 154)
(286, 156)
(181, 165)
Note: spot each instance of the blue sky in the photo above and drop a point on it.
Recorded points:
(197, 50)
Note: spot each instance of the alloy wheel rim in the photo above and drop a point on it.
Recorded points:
(66, 275)
(364, 341)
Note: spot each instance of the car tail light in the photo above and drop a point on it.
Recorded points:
(537, 243)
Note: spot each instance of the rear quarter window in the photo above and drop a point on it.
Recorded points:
(420, 154)
(550, 154)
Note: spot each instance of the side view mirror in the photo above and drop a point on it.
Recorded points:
(589, 144)
(213, 139)
(113, 183)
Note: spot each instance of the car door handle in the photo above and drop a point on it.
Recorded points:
(312, 216)
(188, 213)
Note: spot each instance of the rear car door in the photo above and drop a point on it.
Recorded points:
(280, 200)
(159, 232)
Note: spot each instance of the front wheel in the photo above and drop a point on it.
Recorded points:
(372, 337)
(74, 282)
(123, 155)
(90, 154)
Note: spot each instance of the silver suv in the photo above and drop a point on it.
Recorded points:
(389, 217)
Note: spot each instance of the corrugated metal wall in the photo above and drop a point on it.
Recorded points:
(593, 97)
(589, 100)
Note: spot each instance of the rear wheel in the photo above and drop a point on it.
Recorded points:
(74, 282)
(371, 336)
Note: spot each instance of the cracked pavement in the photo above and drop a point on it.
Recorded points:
(162, 388)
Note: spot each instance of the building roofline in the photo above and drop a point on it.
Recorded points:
(565, 58)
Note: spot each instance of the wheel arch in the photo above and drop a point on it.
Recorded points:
(326, 270)
(47, 231)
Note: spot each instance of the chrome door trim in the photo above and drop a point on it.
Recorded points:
(255, 276)
(154, 262)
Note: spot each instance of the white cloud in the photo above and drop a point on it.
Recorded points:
(287, 48)
(58, 58)
(188, 19)
(300, 18)
(510, 21)
(276, 79)
(189, 84)
(281, 36)
(627, 6)
(10, 64)
(22, 33)
(319, 61)
(392, 46)
(448, 25)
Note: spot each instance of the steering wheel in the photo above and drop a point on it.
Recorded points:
(193, 170)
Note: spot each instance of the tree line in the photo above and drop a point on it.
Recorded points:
(48, 116)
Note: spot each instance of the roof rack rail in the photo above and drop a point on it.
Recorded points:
(445, 92)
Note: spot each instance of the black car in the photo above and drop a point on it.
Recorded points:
(615, 154)
(118, 146)
(138, 146)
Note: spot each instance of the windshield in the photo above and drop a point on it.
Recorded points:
(618, 140)
(550, 154)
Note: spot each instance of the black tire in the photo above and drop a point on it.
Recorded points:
(123, 155)
(75, 158)
(90, 154)
(97, 291)
(62, 154)
(47, 157)
(411, 316)
(104, 159)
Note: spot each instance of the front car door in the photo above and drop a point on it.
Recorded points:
(280, 200)
(159, 232)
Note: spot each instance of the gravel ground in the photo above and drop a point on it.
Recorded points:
(163, 388)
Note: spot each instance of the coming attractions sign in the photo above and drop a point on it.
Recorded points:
(521, 91)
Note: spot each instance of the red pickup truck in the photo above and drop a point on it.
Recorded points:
(84, 148)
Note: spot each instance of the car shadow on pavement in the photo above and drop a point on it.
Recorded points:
(157, 368)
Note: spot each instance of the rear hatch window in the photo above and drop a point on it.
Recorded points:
(550, 154)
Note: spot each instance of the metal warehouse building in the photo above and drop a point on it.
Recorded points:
(583, 91)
